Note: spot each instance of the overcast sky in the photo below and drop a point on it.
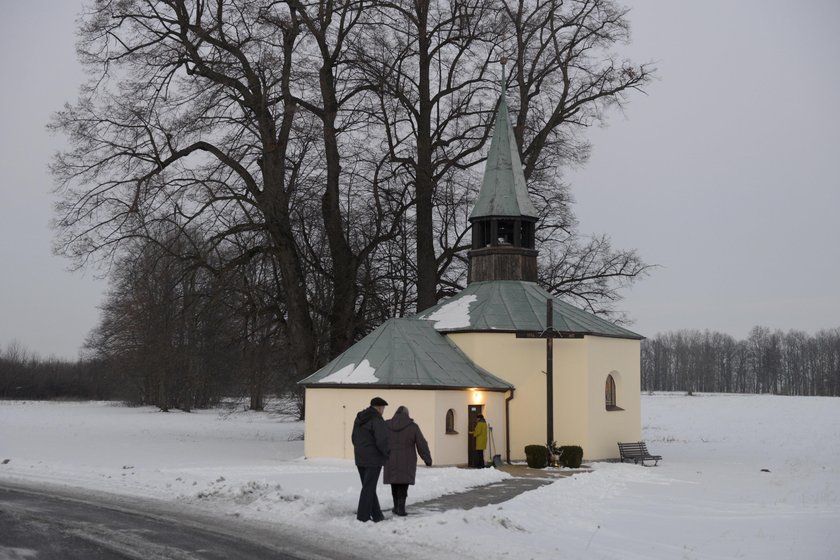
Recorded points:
(725, 174)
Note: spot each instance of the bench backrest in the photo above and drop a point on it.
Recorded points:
(638, 448)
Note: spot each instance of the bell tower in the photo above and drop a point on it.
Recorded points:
(503, 219)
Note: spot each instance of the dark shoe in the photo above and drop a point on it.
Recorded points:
(401, 507)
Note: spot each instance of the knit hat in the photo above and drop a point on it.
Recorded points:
(378, 401)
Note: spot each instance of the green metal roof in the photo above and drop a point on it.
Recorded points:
(507, 305)
(404, 352)
(503, 190)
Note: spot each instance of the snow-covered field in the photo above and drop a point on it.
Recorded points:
(708, 499)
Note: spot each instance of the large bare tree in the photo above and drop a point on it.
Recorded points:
(436, 66)
(337, 142)
(193, 117)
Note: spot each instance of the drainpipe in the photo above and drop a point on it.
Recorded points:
(507, 425)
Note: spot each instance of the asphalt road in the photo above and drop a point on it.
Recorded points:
(59, 524)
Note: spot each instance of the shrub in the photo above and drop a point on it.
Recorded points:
(571, 456)
(537, 456)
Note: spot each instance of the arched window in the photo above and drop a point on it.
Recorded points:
(450, 422)
(609, 393)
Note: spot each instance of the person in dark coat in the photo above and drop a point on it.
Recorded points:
(406, 442)
(370, 448)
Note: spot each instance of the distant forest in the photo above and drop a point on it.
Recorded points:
(791, 363)
(183, 376)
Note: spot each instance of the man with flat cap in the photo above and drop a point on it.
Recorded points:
(371, 449)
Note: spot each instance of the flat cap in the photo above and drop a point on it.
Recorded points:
(378, 401)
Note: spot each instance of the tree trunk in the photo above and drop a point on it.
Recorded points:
(424, 185)
(343, 305)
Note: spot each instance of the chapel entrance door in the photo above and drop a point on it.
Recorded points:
(473, 411)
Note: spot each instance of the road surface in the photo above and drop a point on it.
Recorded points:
(43, 523)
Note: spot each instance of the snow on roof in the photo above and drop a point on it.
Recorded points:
(512, 305)
(351, 373)
(452, 315)
(407, 352)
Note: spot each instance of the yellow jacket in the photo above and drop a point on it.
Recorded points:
(480, 434)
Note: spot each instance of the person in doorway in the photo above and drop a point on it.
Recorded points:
(480, 435)
(406, 442)
(371, 449)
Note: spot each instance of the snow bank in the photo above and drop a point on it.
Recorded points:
(743, 477)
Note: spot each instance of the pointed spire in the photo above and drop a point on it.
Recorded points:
(503, 84)
(503, 190)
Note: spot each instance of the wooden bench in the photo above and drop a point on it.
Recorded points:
(638, 453)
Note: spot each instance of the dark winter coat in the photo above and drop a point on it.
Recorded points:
(370, 439)
(406, 442)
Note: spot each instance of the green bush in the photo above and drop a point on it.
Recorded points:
(537, 456)
(571, 456)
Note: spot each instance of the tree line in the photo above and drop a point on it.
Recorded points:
(209, 364)
(26, 375)
(266, 181)
(183, 337)
(768, 361)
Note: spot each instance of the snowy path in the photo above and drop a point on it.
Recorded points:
(496, 493)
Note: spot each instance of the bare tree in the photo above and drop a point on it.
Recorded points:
(435, 66)
(164, 329)
(189, 117)
(565, 77)
(427, 62)
(590, 273)
(333, 145)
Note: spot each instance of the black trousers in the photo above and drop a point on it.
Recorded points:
(368, 501)
(479, 458)
(399, 491)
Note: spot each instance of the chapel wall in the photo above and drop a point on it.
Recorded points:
(330, 413)
(620, 358)
(522, 362)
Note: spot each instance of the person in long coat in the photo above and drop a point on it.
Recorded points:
(370, 449)
(406, 442)
(480, 435)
